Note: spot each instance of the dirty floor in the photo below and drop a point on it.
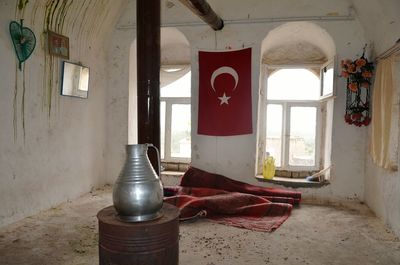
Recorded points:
(313, 235)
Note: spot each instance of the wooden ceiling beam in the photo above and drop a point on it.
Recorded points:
(202, 9)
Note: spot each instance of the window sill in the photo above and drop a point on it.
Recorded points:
(169, 173)
(174, 166)
(171, 178)
(293, 182)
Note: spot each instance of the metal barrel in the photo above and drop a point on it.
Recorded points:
(153, 242)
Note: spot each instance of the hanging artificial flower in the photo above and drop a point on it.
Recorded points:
(358, 74)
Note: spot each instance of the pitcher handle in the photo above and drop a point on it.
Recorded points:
(158, 158)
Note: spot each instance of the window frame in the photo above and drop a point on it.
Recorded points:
(169, 101)
(329, 64)
(285, 132)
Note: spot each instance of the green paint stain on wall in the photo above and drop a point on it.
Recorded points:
(19, 15)
(22, 4)
(80, 20)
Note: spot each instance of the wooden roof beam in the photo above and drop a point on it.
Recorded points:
(202, 9)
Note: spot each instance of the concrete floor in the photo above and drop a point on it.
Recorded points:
(313, 235)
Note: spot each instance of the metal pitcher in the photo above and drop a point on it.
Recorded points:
(138, 192)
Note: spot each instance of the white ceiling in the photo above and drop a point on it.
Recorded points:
(379, 18)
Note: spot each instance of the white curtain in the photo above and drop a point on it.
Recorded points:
(384, 104)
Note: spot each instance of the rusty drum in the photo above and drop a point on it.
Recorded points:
(154, 242)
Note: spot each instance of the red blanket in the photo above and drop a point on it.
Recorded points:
(231, 202)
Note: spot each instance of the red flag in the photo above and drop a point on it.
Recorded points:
(225, 93)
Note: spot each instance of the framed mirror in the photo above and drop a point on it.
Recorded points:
(75, 80)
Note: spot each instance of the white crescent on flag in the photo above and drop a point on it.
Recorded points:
(224, 70)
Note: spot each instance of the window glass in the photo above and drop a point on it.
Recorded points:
(302, 141)
(179, 88)
(327, 80)
(293, 84)
(180, 131)
(274, 132)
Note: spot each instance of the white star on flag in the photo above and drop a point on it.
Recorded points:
(224, 99)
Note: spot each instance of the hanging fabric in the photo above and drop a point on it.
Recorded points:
(225, 106)
(382, 105)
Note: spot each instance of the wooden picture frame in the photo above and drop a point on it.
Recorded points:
(58, 45)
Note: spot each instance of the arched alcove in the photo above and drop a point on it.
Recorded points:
(175, 52)
(297, 43)
(304, 46)
(175, 49)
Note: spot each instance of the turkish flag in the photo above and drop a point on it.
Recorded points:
(225, 93)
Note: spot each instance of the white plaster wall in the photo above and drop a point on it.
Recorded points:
(382, 188)
(118, 102)
(381, 21)
(235, 156)
(62, 155)
(382, 195)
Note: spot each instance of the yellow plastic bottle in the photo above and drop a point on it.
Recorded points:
(269, 167)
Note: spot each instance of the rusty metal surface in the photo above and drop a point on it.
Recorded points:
(202, 9)
(148, 74)
(145, 243)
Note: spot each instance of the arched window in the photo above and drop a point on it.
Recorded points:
(175, 90)
(296, 108)
(175, 94)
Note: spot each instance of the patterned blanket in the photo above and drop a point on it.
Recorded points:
(231, 202)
